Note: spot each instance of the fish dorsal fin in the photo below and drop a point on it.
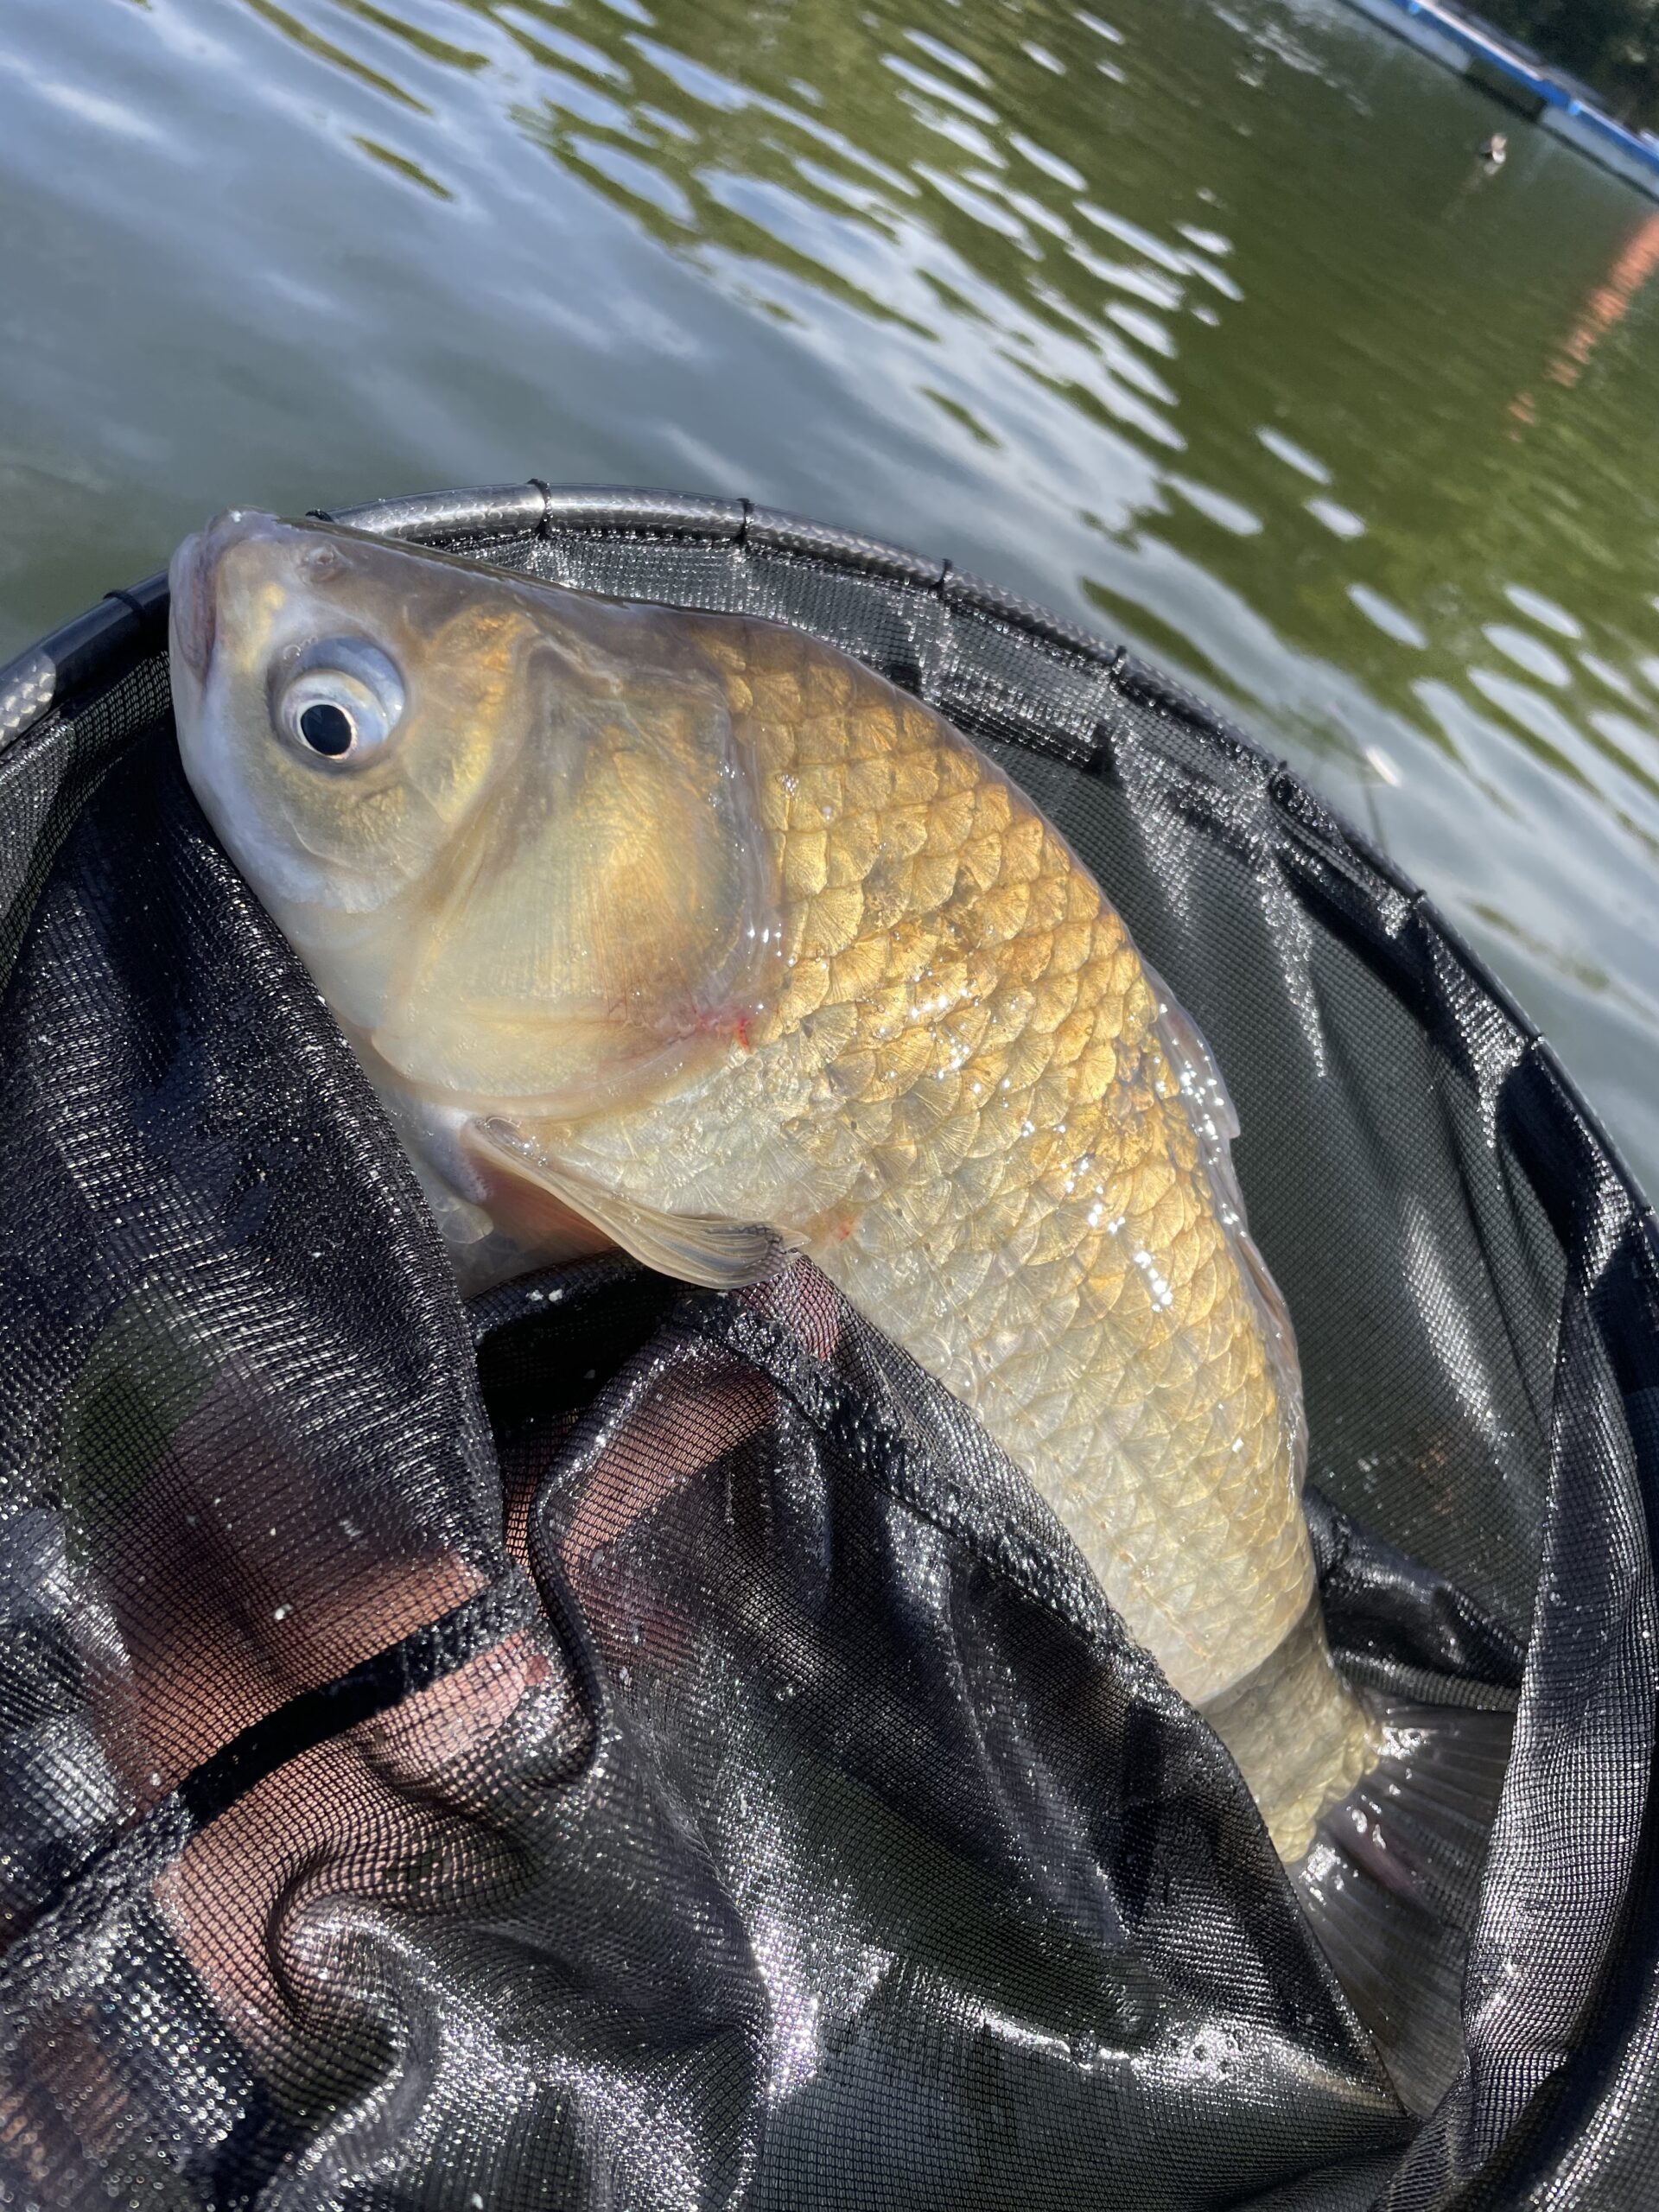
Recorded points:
(1215, 1124)
(705, 1249)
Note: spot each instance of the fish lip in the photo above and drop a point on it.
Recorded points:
(193, 588)
(193, 613)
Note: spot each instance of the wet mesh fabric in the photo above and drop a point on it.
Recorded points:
(618, 1746)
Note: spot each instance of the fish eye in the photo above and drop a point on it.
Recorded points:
(338, 699)
(328, 728)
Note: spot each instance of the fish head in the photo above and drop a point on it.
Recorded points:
(506, 826)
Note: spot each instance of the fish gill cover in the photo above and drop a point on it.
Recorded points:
(613, 1744)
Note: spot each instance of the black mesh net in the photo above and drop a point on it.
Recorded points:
(616, 1746)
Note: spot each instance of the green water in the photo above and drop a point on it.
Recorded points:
(1203, 323)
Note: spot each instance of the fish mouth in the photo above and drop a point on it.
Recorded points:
(191, 620)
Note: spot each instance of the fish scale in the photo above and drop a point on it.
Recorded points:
(967, 1051)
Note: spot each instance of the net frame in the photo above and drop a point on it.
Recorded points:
(1562, 2134)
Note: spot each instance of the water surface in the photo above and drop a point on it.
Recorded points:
(1202, 323)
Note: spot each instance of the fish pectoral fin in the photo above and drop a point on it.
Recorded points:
(705, 1249)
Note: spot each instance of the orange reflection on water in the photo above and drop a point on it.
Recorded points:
(1607, 306)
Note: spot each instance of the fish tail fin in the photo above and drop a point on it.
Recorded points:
(1382, 1812)
(1392, 1879)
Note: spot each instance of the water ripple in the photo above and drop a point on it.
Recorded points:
(1199, 321)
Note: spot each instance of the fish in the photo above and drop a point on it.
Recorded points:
(691, 935)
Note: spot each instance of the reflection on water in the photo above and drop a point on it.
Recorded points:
(1608, 305)
(1207, 324)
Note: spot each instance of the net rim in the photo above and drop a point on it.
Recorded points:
(85, 656)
